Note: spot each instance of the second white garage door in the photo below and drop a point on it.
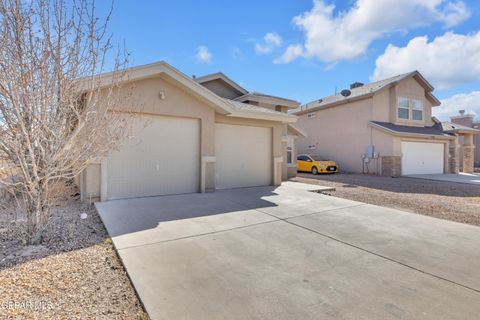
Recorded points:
(163, 157)
(422, 158)
(244, 156)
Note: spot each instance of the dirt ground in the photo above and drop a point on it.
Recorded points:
(445, 200)
(73, 274)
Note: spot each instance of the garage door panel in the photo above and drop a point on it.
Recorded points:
(162, 157)
(422, 158)
(244, 156)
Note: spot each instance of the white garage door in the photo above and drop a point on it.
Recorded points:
(163, 157)
(244, 156)
(422, 158)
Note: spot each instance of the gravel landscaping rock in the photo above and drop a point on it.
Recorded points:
(73, 274)
(445, 200)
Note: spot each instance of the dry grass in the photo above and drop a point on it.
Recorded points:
(445, 200)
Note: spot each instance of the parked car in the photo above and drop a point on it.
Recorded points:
(306, 163)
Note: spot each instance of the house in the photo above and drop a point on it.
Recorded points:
(203, 134)
(385, 127)
(224, 87)
(470, 143)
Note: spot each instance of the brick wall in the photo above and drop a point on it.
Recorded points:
(391, 166)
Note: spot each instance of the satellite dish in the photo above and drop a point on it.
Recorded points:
(346, 93)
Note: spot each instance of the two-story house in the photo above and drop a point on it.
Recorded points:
(226, 88)
(385, 127)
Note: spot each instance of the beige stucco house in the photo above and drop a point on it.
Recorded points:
(384, 128)
(194, 135)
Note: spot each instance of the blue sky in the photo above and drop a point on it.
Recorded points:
(304, 49)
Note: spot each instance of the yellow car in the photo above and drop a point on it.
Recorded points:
(306, 163)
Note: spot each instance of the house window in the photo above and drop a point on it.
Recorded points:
(403, 108)
(410, 109)
(290, 151)
(417, 109)
(311, 115)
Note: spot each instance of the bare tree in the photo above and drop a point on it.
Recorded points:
(55, 118)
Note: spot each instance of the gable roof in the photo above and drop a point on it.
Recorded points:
(164, 69)
(244, 109)
(259, 97)
(222, 77)
(369, 90)
(245, 95)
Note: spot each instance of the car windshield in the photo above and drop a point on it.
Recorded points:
(317, 158)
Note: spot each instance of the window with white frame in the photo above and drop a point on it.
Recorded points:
(417, 109)
(410, 109)
(290, 151)
(403, 108)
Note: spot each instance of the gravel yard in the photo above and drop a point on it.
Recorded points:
(444, 200)
(74, 274)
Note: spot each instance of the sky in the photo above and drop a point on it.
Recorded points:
(306, 50)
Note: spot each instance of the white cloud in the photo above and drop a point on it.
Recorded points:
(454, 13)
(203, 55)
(292, 52)
(470, 102)
(346, 35)
(449, 60)
(271, 40)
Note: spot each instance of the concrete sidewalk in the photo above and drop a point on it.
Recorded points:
(286, 253)
(468, 178)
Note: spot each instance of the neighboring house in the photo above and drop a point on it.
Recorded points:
(197, 138)
(384, 128)
(471, 143)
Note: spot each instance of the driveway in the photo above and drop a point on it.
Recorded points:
(468, 178)
(287, 253)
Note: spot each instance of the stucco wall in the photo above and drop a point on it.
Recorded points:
(410, 88)
(90, 183)
(342, 133)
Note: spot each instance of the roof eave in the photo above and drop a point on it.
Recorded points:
(334, 104)
(297, 131)
(409, 134)
(283, 118)
(223, 77)
(158, 69)
(291, 104)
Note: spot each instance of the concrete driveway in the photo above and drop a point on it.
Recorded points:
(468, 178)
(287, 253)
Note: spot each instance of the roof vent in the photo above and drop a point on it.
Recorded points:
(356, 85)
(462, 112)
(346, 93)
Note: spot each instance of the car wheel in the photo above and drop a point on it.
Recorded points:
(314, 170)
